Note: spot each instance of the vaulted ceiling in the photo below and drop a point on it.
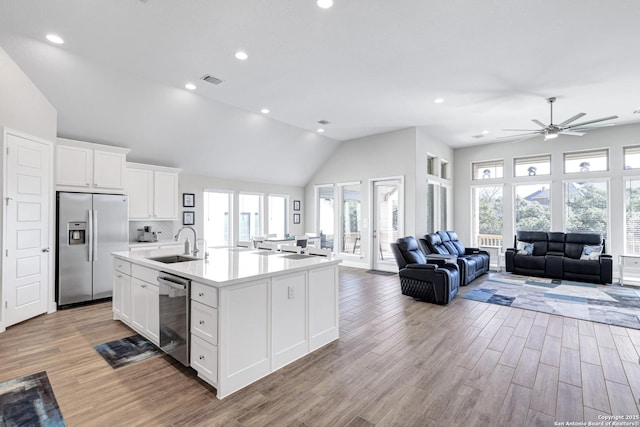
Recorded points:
(365, 66)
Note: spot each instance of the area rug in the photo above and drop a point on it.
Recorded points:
(126, 351)
(610, 304)
(29, 401)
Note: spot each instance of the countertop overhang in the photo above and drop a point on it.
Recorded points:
(227, 266)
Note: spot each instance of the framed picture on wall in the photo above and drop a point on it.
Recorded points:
(188, 218)
(296, 218)
(188, 200)
(296, 205)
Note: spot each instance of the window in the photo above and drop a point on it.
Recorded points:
(488, 170)
(217, 214)
(532, 166)
(444, 169)
(632, 157)
(325, 207)
(351, 217)
(250, 216)
(632, 216)
(437, 206)
(586, 161)
(431, 165)
(586, 207)
(487, 215)
(278, 214)
(532, 207)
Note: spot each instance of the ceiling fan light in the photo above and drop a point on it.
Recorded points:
(550, 135)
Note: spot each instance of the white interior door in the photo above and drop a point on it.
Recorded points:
(26, 281)
(388, 214)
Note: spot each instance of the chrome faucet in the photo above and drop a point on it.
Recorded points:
(195, 238)
(206, 253)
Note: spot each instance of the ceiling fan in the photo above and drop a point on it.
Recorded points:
(552, 130)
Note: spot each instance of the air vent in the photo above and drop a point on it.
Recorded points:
(211, 79)
(323, 122)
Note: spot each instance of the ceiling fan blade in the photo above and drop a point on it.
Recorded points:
(577, 125)
(580, 128)
(574, 118)
(526, 137)
(539, 123)
(571, 132)
(521, 134)
(522, 130)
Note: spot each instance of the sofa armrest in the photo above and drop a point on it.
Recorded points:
(606, 268)
(474, 251)
(508, 259)
(421, 266)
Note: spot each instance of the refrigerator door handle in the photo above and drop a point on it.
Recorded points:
(95, 235)
(90, 233)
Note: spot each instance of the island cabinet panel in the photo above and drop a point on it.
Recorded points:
(244, 335)
(289, 319)
(323, 307)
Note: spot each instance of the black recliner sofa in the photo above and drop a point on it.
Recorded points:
(558, 255)
(436, 282)
(472, 262)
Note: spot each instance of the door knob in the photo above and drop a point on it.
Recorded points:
(45, 249)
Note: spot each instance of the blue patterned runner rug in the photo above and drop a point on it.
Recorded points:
(610, 304)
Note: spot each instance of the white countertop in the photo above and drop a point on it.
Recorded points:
(227, 266)
(166, 242)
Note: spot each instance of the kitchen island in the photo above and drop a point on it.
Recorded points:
(251, 311)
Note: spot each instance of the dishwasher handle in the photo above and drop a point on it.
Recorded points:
(176, 283)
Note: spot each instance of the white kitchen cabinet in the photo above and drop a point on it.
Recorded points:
(288, 318)
(153, 192)
(122, 291)
(88, 167)
(204, 331)
(145, 303)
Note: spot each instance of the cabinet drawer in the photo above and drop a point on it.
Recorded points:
(122, 266)
(145, 274)
(204, 322)
(632, 262)
(204, 359)
(204, 294)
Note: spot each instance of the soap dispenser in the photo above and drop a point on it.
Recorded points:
(187, 246)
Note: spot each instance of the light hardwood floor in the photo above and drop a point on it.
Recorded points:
(398, 362)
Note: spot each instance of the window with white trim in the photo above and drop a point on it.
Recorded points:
(278, 222)
(586, 207)
(488, 170)
(586, 161)
(532, 166)
(532, 210)
(488, 226)
(351, 218)
(217, 218)
(632, 157)
(249, 216)
(632, 216)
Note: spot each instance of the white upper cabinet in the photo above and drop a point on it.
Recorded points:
(83, 166)
(153, 192)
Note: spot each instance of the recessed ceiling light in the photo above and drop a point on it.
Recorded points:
(242, 56)
(320, 130)
(325, 4)
(190, 86)
(438, 100)
(484, 132)
(265, 111)
(53, 38)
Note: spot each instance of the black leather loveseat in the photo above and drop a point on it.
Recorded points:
(436, 282)
(472, 262)
(572, 256)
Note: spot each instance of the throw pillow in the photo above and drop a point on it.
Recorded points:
(525, 248)
(591, 252)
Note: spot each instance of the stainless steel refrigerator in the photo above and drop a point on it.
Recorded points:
(90, 227)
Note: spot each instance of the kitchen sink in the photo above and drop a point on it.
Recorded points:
(172, 259)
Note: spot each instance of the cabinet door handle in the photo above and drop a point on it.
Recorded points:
(201, 294)
(202, 322)
(201, 357)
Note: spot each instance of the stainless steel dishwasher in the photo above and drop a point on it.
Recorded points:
(174, 316)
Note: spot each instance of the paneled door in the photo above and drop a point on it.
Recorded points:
(388, 224)
(28, 194)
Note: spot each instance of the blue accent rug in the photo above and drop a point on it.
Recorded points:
(29, 401)
(610, 304)
(126, 351)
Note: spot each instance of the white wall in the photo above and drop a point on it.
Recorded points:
(197, 184)
(614, 138)
(398, 153)
(25, 109)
